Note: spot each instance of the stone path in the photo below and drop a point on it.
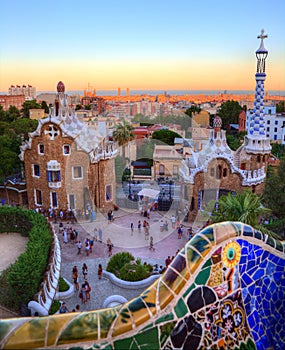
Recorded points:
(165, 243)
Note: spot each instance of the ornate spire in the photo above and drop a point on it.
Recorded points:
(257, 140)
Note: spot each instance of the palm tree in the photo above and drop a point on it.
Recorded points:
(245, 207)
(123, 133)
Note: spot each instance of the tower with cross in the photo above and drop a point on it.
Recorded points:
(256, 140)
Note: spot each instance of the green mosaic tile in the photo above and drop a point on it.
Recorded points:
(203, 276)
(83, 327)
(106, 319)
(279, 246)
(208, 232)
(181, 309)
(208, 263)
(189, 290)
(148, 326)
(148, 339)
(165, 331)
(201, 244)
(165, 318)
(270, 241)
(123, 344)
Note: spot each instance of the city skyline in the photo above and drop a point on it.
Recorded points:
(141, 45)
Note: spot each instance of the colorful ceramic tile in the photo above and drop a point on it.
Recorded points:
(194, 259)
(179, 264)
(139, 311)
(164, 295)
(123, 323)
(106, 318)
(201, 244)
(84, 327)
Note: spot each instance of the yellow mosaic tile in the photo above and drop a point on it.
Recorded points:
(139, 311)
(30, 335)
(149, 297)
(194, 259)
(180, 265)
(224, 231)
(173, 281)
(56, 324)
(201, 244)
(123, 323)
(107, 317)
(84, 327)
(164, 295)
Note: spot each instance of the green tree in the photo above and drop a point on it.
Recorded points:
(23, 126)
(123, 134)
(166, 136)
(245, 207)
(278, 150)
(27, 105)
(274, 191)
(229, 112)
(145, 149)
(78, 107)
(280, 107)
(45, 106)
(233, 142)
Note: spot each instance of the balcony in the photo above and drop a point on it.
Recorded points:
(54, 184)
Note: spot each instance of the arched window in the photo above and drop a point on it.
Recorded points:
(219, 172)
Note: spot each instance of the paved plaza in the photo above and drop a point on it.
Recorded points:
(166, 244)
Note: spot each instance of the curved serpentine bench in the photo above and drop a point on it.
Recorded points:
(224, 289)
(128, 284)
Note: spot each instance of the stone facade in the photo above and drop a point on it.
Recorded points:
(68, 165)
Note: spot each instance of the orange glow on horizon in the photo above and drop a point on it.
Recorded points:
(156, 75)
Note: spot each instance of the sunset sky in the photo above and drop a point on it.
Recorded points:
(143, 44)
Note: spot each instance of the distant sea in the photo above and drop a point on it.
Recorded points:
(169, 92)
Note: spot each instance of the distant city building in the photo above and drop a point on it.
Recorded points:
(28, 91)
(36, 113)
(274, 123)
(11, 100)
(119, 92)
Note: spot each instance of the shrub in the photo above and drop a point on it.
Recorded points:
(21, 280)
(54, 307)
(134, 272)
(117, 261)
(124, 266)
(62, 285)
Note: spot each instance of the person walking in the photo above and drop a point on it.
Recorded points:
(88, 290)
(63, 309)
(100, 271)
(110, 247)
(100, 234)
(139, 226)
(65, 239)
(79, 246)
(151, 247)
(82, 294)
(173, 220)
(85, 271)
(132, 228)
(75, 277)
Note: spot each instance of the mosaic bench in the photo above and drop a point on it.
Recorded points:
(224, 290)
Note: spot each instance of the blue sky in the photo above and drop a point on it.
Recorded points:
(140, 44)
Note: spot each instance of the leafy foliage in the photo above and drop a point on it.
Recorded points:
(245, 207)
(119, 260)
(124, 266)
(229, 112)
(166, 136)
(134, 272)
(274, 191)
(21, 281)
(62, 285)
(27, 105)
(54, 307)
